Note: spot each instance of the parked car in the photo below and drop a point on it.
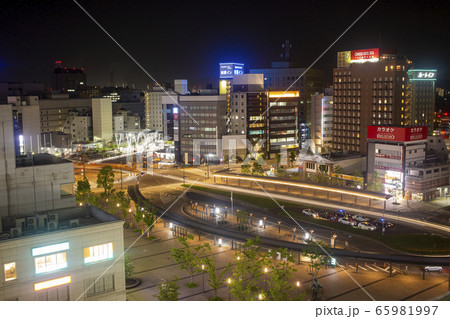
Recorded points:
(433, 268)
(326, 215)
(379, 223)
(366, 226)
(310, 212)
(360, 218)
(347, 221)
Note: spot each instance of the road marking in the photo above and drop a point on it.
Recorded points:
(372, 268)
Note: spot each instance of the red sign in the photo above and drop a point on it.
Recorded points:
(362, 55)
(398, 134)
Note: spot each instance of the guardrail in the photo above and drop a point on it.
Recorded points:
(231, 234)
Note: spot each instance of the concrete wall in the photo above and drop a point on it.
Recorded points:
(19, 250)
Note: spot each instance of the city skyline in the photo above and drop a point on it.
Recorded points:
(175, 46)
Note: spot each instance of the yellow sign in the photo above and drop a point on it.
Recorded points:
(52, 283)
(349, 177)
(223, 87)
(284, 94)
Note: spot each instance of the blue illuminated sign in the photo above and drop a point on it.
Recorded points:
(227, 70)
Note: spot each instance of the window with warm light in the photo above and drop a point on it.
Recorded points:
(10, 271)
(50, 263)
(98, 253)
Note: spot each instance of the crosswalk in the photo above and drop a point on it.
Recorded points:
(373, 267)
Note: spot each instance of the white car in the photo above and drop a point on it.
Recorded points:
(347, 221)
(360, 218)
(433, 268)
(310, 212)
(366, 226)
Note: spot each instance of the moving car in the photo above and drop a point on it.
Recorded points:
(433, 268)
(360, 218)
(347, 221)
(310, 212)
(379, 223)
(326, 215)
(366, 226)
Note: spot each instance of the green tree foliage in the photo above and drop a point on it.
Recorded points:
(279, 278)
(257, 169)
(242, 217)
(337, 170)
(322, 174)
(292, 157)
(129, 267)
(105, 179)
(357, 173)
(149, 219)
(375, 183)
(315, 251)
(247, 271)
(277, 158)
(168, 290)
(189, 258)
(83, 190)
(245, 169)
(215, 279)
(124, 202)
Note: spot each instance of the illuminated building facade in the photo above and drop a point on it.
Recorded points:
(322, 122)
(227, 73)
(371, 90)
(409, 163)
(420, 98)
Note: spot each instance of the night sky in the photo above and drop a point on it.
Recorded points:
(187, 39)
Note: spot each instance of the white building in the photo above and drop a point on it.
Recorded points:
(153, 110)
(322, 122)
(79, 126)
(102, 119)
(125, 120)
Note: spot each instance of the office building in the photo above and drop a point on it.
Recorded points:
(409, 163)
(79, 126)
(20, 89)
(153, 110)
(370, 91)
(322, 123)
(66, 79)
(420, 98)
(102, 119)
(50, 249)
(124, 120)
(228, 71)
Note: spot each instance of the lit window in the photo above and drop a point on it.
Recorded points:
(50, 263)
(52, 283)
(49, 249)
(10, 271)
(97, 253)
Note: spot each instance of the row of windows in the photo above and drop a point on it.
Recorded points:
(52, 258)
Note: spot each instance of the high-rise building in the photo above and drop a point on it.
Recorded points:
(370, 91)
(124, 120)
(79, 126)
(66, 79)
(322, 122)
(420, 98)
(227, 73)
(153, 110)
(102, 119)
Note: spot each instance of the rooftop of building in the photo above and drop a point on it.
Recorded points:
(53, 221)
(38, 160)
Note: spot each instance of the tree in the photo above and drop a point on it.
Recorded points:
(245, 169)
(188, 257)
(124, 202)
(83, 190)
(105, 179)
(215, 280)
(149, 219)
(292, 157)
(257, 169)
(168, 290)
(322, 174)
(277, 158)
(316, 252)
(247, 271)
(375, 184)
(336, 178)
(279, 278)
(129, 267)
(280, 172)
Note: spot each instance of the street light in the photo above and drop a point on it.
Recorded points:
(229, 287)
(265, 274)
(264, 222)
(220, 242)
(294, 229)
(203, 277)
(298, 288)
(260, 297)
(260, 222)
(251, 219)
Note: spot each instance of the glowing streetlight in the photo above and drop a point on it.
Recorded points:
(260, 297)
(220, 242)
(118, 205)
(264, 218)
(203, 277)
(260, 222)
(229, 287)
(279, 226)
(170, 225)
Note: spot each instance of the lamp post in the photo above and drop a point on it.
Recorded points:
(264, 218)
(294, 229)
(229, 288)
(279, 226)
(203, 277)
(260, 297)
(265, 275)
(333, 240)
(251, 219)
(298, 289)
